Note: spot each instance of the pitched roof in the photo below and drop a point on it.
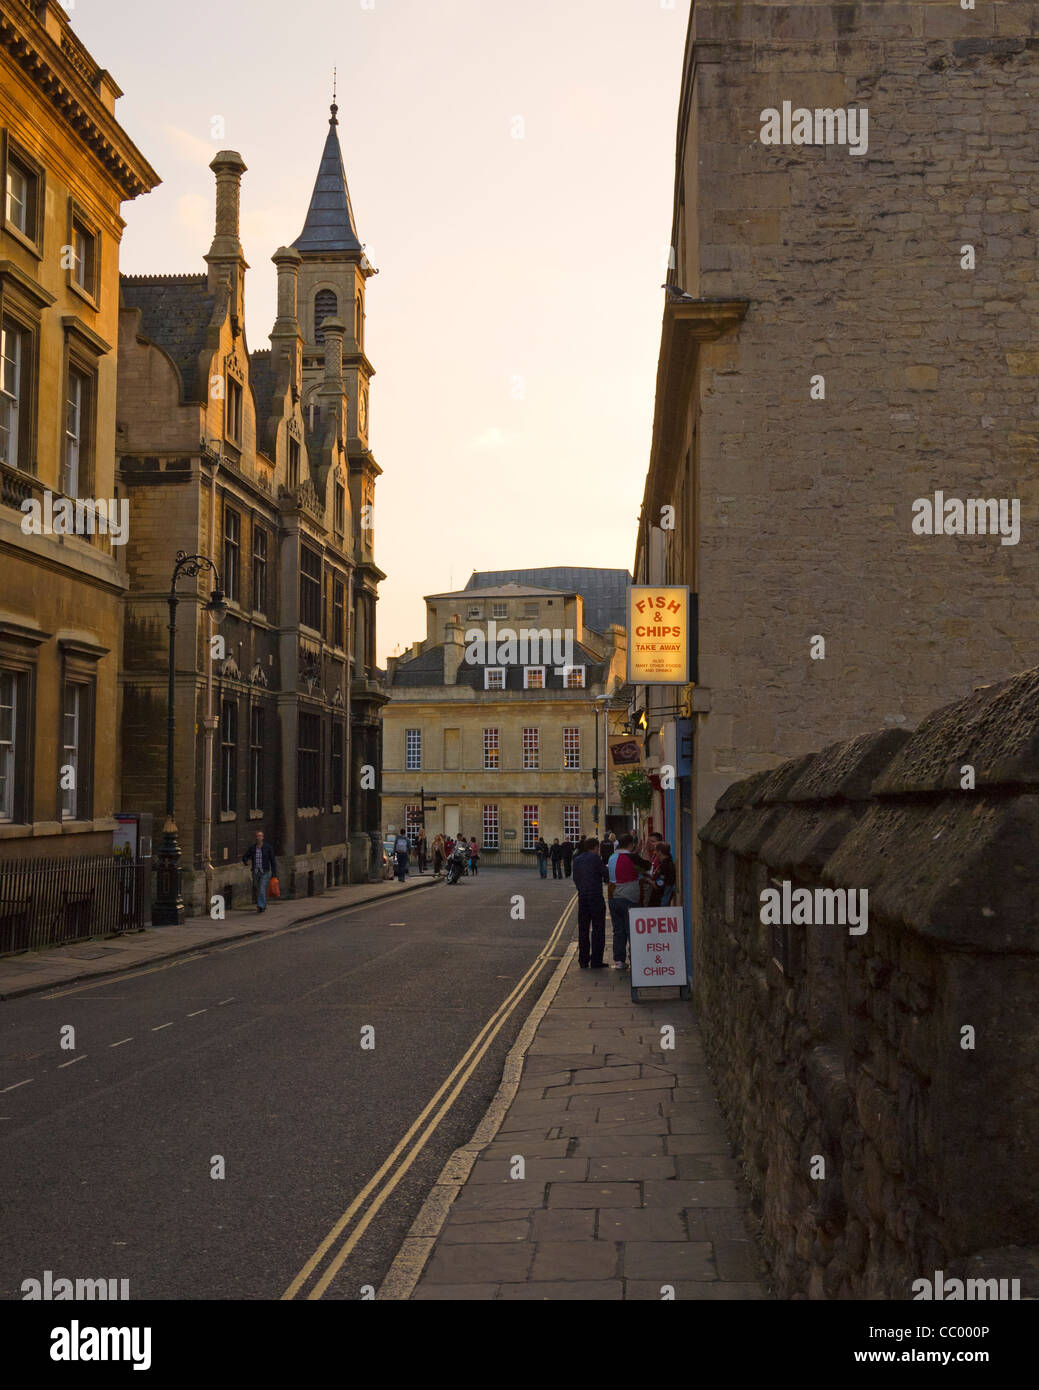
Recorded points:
(501, 591)
(175, 312)
(604, 591)
(262, 381)
(330, 222)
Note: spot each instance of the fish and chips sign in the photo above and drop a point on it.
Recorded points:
(658, 635)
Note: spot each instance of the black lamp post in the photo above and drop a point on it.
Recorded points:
(168, 905)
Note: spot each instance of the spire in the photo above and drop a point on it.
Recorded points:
(330, 218)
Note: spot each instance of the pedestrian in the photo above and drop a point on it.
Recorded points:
(421, 850)
(590, 873)
(556, 855)
(474, 855)
(568, 856)
(264, 868)
(400, 852)
(625, 868)
(648, 849)
(439, 854)
(663, 877)
(607, 847)
(541, 850)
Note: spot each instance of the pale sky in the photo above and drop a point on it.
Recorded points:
(514, 325)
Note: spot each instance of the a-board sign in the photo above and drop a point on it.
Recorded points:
(657, 947)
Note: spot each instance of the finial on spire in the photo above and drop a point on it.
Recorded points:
(335, 108)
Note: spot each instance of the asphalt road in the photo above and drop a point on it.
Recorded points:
(252, 1053)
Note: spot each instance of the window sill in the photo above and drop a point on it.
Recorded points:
(76, 827)
(89, 299)
(24, 239)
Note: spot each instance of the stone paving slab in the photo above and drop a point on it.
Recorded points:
(630, 1189)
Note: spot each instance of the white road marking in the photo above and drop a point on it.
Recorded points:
(120, 1042)
(226, 1001)
(161, 1027)
(197, 1012)
(72, 1063)
(16, 1085)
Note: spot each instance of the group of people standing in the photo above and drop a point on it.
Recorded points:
(442, 848)
(560, 856)
(634, 876)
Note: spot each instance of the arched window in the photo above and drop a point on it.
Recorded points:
(359, 323)
(325, 307)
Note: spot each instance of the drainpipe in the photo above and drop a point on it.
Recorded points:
(210, 720)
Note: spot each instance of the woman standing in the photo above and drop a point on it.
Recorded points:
(664, 876)
(421, 851)
(439, 855)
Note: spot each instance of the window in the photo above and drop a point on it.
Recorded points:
(533, 678)
(84, 243)
(490, 827)
(228, 754)
(308, 750)
(13, 394)
(531, 610)
(340, 506)
(294, 455)
(499, 610)
(338, 745)
(571, 748)
(474, 611)
(530, 826)
(75, 415)
(573, 677)
(572, 823)
(232, 554)
(256, 722)
(23, 193)
(531, 748)
(412, 821)
(70, 736)
(310, 588)
(359, 322)
(259, 570)
(339, 613)
(10, 713)
(412, 750)
(233, 411)
(17, 193)
(491, 750)
(325, 307)
(494, 678)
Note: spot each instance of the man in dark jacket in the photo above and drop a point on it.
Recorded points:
(589, 876)
(556, 856)
(568, 857)
(264, 867)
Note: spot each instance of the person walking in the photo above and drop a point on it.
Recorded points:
(474, 855)
(400, 853)
(625, 868)
(590, 873)
(421, 850)
(568, 857)
(663, 877)
(439, 854)
(264, 868)
(556, 855)
(541, 850)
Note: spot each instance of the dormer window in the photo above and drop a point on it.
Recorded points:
(500, 610)
(294, 452)
(233, 411)
(325, 307)
(474, 611)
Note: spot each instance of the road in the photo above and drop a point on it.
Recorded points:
(251, 1054)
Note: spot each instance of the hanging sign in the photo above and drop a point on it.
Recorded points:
(658, 634)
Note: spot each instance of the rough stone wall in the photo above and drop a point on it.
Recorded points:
(851, 1047)
(852, 269)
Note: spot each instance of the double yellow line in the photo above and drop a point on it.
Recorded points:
(363, 1209)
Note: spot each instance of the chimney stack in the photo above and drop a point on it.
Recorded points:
(226, 260)
(288, 262)
(454, 649)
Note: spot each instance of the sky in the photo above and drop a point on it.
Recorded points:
(511, 169)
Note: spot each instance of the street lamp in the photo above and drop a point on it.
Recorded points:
(168, 906)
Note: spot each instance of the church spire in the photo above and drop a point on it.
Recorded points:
(330, 222)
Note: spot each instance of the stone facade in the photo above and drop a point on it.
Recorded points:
(68, 166)
(473, 745)
(253, 460)
(903, 1058)
(803, 269)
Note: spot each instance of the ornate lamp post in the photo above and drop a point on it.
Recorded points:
(168, 906)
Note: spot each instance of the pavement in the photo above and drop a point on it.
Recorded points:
(602, 1170)
(60, 965)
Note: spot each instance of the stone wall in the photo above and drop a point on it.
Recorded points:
(851, 1048)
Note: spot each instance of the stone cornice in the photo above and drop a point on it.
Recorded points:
(59, 71)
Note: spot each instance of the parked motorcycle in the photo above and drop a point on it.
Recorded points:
(456, 864)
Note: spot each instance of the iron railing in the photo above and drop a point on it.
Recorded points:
(48, 902)
(509, 857)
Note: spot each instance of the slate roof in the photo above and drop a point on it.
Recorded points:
(330, 222)
(501, 591)
(604, 591)
(175, 313)
(262, 380)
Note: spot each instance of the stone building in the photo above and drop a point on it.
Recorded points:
(499, 713)
(68, 166)
(850, 328)
(260, 462)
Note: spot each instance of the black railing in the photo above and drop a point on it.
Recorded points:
(47, 902)
(508, 857)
